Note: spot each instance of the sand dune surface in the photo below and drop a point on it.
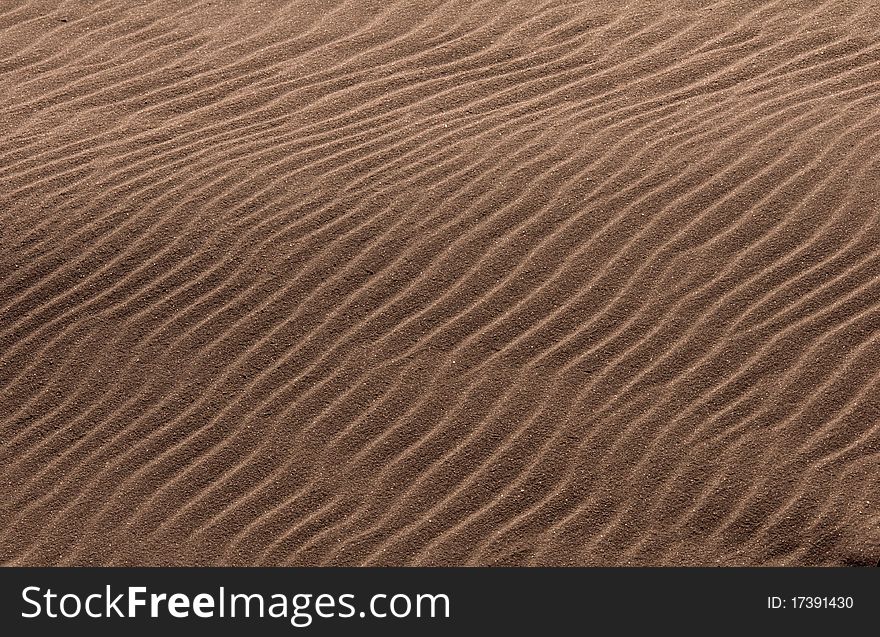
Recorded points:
(439, 282)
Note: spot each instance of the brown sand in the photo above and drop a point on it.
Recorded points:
(440, 282)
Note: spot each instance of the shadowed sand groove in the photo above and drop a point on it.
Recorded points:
(440, 282)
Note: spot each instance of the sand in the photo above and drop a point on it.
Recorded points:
(439, 282)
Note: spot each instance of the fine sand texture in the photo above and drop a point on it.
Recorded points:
(439, 282)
